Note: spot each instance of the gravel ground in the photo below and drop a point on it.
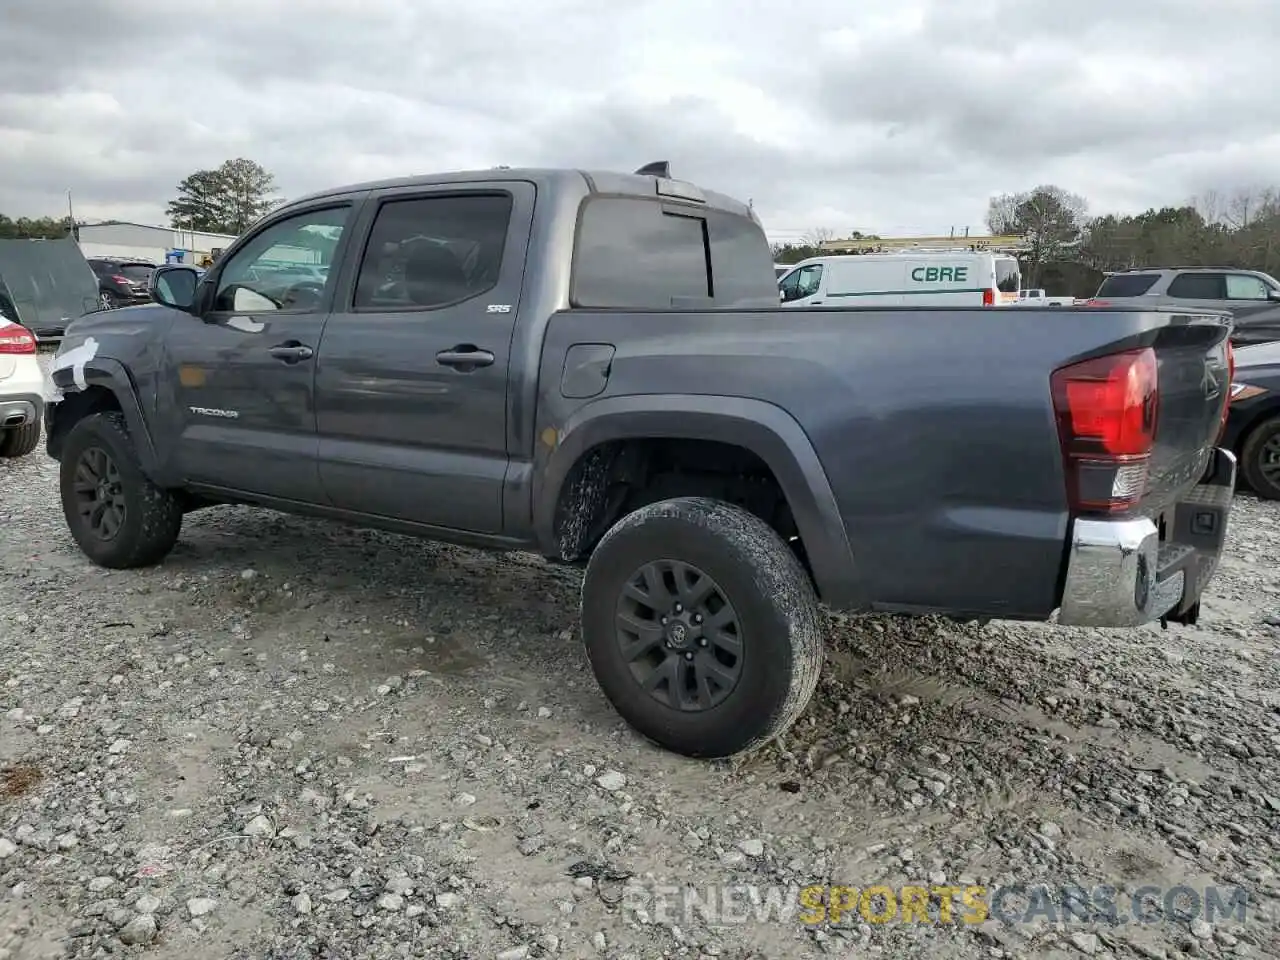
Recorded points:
(295, 739)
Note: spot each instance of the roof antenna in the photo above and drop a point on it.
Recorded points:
(659, 168)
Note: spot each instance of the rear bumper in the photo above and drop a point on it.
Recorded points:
(1120, 573)
(18, 410)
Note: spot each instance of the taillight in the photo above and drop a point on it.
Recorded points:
(15, 338)
(1106, 410)
(119, 279)
(988, 297)
(1231, 379)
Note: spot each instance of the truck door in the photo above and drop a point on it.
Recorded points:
(411, 388)
(238, 400)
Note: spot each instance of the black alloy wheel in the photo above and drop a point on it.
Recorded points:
(99, 493)
(680, 636)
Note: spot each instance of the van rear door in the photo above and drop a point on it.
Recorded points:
(1008, 279)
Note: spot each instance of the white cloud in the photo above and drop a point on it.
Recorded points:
(893, 117)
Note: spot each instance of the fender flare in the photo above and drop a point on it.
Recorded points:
(113, 376)
(766, 430)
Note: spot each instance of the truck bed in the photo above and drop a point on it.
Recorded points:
(935, 427)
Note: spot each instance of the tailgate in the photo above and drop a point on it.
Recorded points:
(1194, 384)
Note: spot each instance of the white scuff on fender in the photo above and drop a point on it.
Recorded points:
(74, 360)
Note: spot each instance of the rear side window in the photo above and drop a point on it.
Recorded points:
(1199, 286)
(428, 252)
(1008, 276)
(1127, 285)
(647, 255)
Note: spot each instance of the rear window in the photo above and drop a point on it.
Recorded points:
(137, 271)
(1008, 276)
(648, 255)
(1127, 285)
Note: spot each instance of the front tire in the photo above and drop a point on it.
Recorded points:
(19, 441)
(1260, 459)
(702, 627)
(118, 517)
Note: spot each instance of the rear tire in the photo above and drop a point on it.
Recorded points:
(1260, 459)
(713, 689)
(118, 517)
(19, 441)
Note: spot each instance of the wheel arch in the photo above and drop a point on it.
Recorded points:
(104, 384)
(763, 429)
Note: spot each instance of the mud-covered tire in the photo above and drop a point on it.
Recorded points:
(19, 441)
(1258, 449)
(771, 595)
(152, 516)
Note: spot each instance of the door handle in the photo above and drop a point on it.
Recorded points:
(291, 352)
(465, 357)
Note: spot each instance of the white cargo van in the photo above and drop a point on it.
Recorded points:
(903, 280)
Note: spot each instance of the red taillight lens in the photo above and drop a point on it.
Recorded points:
(16, 339)
(988, 298)
(1231, 379)
(119, 279)
(1106, 410)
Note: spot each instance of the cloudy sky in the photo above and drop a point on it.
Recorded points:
(887, 116)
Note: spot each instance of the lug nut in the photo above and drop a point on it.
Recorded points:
(697, 618)
(688, 656)
(702, 641)
(663, 620)
(679, 608)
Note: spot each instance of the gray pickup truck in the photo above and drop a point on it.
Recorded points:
(594, 366)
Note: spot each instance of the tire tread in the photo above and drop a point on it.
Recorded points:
(779, 576)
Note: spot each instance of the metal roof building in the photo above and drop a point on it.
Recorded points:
(120, 238)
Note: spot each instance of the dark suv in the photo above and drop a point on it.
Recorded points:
(122, 282)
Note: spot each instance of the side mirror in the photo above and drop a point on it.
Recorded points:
(1273, 294)
(782, 295)
(175, 286)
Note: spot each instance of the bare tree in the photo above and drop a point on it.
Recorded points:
(1247, 207)
(1001, 212)
(818, 236)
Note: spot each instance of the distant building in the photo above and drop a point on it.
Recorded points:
(118, 238)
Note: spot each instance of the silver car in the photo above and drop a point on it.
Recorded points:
(1252, 297)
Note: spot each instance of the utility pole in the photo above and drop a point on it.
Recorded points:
(71, 217)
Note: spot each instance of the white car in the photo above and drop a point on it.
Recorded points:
(22, 390)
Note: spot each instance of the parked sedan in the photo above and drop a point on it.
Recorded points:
(21, 390)
(1253, 421)
(122, 282)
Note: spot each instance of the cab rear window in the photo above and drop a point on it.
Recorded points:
(1127, 285)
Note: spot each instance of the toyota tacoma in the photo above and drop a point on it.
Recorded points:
(594, 366)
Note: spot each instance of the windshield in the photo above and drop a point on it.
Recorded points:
(1008, 275)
